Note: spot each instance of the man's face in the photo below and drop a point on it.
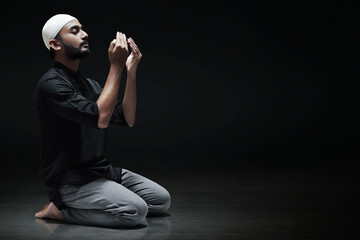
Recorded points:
(74, 40)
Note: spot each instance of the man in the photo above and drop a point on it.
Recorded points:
(74, 112)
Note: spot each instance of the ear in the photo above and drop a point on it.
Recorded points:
(54, 44)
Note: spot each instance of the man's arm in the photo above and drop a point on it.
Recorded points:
(117, 52)
(129, 100)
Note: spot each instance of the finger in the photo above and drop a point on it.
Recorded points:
(135, 46)
(132, 44)
(132, 41)
(121, 40)
(112, 45)
(118, 38)
(125, 42)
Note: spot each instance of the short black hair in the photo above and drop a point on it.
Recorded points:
(52, 51)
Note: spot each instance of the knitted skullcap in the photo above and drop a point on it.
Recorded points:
(53, 26)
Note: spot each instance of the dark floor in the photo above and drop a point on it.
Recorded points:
(262, 203)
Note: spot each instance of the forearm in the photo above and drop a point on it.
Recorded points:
(129, 100)
(107, 99)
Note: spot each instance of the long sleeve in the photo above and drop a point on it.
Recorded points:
(68, 103)
(118, 117)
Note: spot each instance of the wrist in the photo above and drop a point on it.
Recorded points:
(116, 69)
(116, 66)
(131, 71)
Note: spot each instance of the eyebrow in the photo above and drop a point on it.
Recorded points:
(76, 27)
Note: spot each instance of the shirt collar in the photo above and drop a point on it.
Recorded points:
(67, 70)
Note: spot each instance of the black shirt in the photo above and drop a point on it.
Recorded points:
(72, 145)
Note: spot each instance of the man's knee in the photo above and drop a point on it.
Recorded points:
(162, 203)
(165, 200)
(135, 213)
(141, 208)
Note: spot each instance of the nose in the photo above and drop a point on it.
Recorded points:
(84, 35)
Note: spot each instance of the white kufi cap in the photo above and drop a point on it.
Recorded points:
(53, 26)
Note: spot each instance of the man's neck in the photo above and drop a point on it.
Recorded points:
(72, 64)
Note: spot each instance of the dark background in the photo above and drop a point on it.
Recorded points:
(222, 85)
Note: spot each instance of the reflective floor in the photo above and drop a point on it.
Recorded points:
(267, 203)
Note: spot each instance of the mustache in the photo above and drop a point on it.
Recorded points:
(84, 42)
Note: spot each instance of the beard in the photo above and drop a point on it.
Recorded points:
(76, 53)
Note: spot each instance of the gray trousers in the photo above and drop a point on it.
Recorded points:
(106, 203)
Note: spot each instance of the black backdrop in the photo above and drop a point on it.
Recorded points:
(221, 84)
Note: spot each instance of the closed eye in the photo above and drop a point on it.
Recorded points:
(75, 29)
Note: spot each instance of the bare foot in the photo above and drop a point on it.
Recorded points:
(49, 211)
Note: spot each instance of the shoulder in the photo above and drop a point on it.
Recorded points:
(52, 81)
(51, 74)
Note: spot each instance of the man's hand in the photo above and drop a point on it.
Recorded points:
(135, 56)
(118, 50)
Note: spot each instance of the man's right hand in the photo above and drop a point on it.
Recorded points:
(118, 50)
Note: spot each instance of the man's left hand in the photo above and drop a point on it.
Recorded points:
(134, 58)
